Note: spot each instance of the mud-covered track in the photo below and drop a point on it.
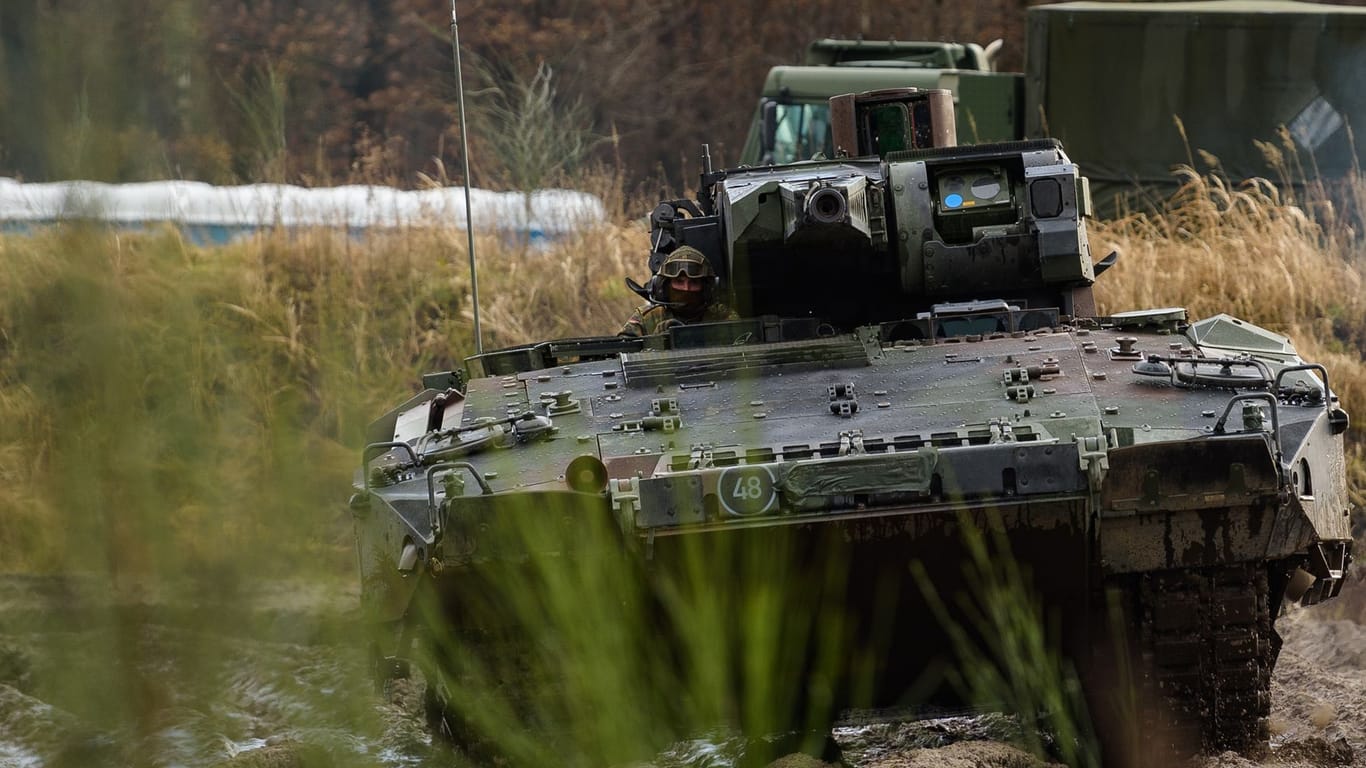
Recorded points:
(1206, 648)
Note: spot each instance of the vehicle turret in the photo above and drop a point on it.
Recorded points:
(901, 226)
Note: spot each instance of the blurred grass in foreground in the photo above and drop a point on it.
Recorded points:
(1007, 643)
(175, 410)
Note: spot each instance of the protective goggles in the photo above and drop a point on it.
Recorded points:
(680, 267)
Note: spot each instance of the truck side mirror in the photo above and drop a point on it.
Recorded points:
(768, 134)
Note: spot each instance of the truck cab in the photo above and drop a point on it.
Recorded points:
(792, 119)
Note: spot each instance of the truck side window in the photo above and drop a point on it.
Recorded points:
(802, 131)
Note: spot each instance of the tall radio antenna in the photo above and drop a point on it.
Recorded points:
(465, 154)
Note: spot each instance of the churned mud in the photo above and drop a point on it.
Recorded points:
(1318, 706)
(279, 680)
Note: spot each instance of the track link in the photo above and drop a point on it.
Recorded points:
(1206, 648)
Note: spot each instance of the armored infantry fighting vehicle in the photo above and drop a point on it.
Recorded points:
(767, 519)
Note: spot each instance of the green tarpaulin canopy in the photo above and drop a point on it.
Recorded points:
(1109, 79)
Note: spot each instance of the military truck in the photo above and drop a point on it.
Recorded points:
(792, 122)
(1110, 80)
(767, 520)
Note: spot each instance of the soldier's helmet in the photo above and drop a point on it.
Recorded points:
(684, 261)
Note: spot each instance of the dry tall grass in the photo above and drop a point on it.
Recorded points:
(168, 408)
(1252, 253)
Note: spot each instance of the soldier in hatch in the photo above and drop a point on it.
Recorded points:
(682, 292)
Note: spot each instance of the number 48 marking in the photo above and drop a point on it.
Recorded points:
(747, 490)
(751, 488)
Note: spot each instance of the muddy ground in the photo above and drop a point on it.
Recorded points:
(1318, 707)
(283, 684)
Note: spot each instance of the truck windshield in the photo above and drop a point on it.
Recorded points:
(802, 131)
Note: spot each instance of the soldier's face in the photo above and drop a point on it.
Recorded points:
(686, 284)
(685, 290)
